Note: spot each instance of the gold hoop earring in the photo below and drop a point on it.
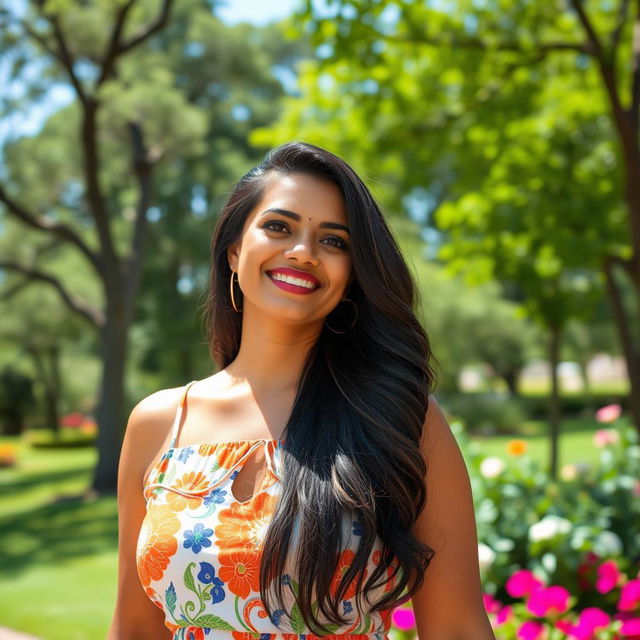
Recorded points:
(353, 324)
(233, 301)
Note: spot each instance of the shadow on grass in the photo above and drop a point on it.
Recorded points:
(57, 532)
(26, 483)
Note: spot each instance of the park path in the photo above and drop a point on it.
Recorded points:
(9, 634)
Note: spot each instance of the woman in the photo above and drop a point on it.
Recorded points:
(286, 495)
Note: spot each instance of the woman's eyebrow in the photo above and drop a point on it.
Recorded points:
(297, 217)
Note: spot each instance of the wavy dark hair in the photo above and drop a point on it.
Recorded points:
(351, 443)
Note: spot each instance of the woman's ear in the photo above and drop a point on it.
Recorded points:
(232, 257)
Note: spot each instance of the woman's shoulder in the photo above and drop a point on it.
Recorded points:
(151, 419)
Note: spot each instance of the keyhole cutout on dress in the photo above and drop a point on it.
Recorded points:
(251, 475)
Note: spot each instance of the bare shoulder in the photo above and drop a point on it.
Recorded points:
(149, 427)
(436, 431)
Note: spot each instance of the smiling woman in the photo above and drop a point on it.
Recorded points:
(296, 503)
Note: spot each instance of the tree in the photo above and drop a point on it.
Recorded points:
(90, 60)
(481, 106)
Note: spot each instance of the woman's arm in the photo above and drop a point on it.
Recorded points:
(135, 616)
(449, 605)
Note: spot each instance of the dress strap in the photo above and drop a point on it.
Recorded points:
(178, 418)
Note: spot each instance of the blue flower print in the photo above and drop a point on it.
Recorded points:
(234, 474)
(184, 454)
(265, 636)
(275, 618)
(347, 607)
(215, 497)
(197, 538)
(357, 528)
(207, 575)
(285, 578)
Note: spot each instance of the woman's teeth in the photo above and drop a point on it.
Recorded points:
(291, 280)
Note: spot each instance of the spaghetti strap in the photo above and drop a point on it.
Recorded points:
(178, 418)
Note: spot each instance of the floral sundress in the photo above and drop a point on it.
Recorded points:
(199, 549)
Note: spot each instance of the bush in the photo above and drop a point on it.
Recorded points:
(67, 437)
(487, 413)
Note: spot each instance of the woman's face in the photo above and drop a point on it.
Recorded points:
(300, 225)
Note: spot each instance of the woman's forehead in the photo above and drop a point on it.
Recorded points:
(304, 194)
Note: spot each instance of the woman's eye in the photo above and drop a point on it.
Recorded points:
(337, 242)
(277, 223)
(341, 244)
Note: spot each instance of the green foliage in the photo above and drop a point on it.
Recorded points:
(528, 521)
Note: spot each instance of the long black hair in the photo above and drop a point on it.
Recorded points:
(352, 439)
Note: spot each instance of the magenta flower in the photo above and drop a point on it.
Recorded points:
(590, 620)
(504, 615)
(630, 627)
(608, 576)
(491, 605)
(629, 596)
(522, 583)
(531, 630)
(404, 619)
(609, 413)
(548, 600)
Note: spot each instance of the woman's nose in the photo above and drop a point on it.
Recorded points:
(302, 249)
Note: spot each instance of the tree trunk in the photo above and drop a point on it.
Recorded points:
(628, 341)
(110, 407)
(46, 364)
(554, 402)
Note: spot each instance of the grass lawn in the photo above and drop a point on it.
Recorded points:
(576, 442)
(58, 555)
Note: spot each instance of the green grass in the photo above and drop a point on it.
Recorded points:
(58, 556)
(576, 442)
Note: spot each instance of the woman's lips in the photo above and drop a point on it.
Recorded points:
(288, 286)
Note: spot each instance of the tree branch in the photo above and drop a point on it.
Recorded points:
(634, 108)
(115, 46)
(88, 312)
(63, 54)
(155, 26)
(61, 230)
(623, 14)
(142, 168)
(607, 67)
(477, 43)
(592, 36)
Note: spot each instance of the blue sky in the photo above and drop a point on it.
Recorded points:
(255, 11)
(258, 12)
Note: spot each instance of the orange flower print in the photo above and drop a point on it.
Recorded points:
(345, 561)
(191, 482)
(243, 525)
(154, 597)
(156, 542)
(240, 571)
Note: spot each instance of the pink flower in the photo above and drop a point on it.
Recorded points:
(504, 615)
(491, 605)
(590, 620)
(631, 627)
(608, 576)
(404, 619)
(522, 583)
(629, 596)
(531, 630)
(609, 413)
(604, 437)
(566, 626)
(548, 600)
(636, 488)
